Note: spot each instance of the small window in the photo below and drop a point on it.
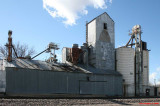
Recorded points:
(105, 26)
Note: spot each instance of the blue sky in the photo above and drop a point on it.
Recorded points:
(32, 24)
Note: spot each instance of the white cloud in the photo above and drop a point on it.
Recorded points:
(152, 77)
(158, 83)
(70, 9)
(158, 69)
(110, 1)
(155, 78)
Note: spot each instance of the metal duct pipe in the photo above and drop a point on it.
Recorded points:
(9, 58)
(85, 57)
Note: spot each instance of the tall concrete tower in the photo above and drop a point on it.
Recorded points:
(101, 39)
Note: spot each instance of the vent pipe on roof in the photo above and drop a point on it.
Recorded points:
(87, 32)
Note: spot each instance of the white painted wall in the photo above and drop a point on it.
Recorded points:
(92, 33)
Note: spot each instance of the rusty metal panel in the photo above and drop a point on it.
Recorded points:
(74, 54)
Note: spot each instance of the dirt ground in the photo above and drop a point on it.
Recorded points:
(79, 102)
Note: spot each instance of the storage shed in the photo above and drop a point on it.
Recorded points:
(31, 77)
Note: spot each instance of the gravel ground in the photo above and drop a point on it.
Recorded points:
(76, 102)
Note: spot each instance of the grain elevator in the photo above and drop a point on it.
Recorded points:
(96, 68)
(101, 40)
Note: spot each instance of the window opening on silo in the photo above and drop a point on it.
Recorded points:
(105, 26)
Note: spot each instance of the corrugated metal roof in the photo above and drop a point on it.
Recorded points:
(99, 71)
(42, 65)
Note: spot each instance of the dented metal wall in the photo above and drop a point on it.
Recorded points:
(101, 40)
(31, 82)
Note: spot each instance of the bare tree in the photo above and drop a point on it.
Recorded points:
(3, 52)
(150, 84)
(159, 82)
(21, 50)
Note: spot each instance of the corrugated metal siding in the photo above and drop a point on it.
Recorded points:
(117, 82)
(130, 90)
(105, 51)
(125, 65)
(105, 18)
(64, 53)
(92, 42)
(102, 51)
(2, 81)
(96, 87)
(26, 81)
(145, 67)
(151, 91)
(1, 64)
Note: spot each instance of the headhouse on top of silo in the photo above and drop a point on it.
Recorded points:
(101, 39)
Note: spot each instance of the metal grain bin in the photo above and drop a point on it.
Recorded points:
(125, 65)
(145, 67)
